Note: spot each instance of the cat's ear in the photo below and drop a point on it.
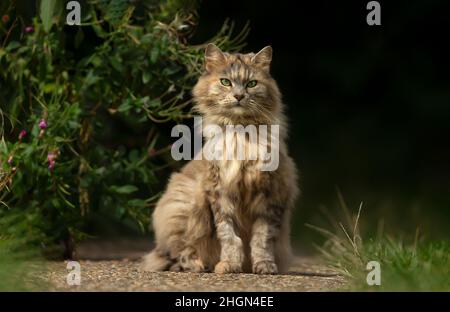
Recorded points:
(263, 58)
(214, 57)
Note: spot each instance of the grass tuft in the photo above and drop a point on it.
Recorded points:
(416, 265)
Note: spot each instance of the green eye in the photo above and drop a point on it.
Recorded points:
(252, 84)
(225, 82)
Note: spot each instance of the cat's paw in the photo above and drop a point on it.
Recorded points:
(265, 267)
(223, 267)
(192, 264)
(176, 267)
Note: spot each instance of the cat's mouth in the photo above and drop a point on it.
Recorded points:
(238, 108)
(240, 103)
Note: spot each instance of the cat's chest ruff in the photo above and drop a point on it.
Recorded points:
(236, 169)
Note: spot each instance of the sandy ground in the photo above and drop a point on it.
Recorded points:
(116, 267)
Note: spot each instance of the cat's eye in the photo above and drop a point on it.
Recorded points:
(226, 82)
(252, 84)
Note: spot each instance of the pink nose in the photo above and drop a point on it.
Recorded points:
(238, 96)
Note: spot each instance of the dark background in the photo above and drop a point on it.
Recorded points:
(369, 106)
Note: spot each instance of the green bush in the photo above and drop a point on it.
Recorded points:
(83, 107)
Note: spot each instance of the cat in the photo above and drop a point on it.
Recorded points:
(228, 216)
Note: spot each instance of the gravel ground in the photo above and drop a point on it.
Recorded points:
(125, 275)
(114, 265)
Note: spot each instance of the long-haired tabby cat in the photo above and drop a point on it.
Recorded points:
(229, 216)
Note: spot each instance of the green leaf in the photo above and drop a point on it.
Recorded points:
(124, 189)
(137, 202)
(155, 103)
(49, 87)
(154, 54)
(47, 12)
(116, 62)
(12, 45)
(146, 77)
(116, 10)
(90, 79)
(125, 106)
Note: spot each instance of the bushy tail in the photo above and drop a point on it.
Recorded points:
(156, 261)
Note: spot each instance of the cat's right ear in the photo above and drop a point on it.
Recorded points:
(214, 57)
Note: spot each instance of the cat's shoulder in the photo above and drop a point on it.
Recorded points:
(194, 167)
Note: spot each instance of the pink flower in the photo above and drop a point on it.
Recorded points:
(51, 161)
(42, 124)
(29, 29)
(10, 160)
(22, 134)
(51, 156)
(51, 165)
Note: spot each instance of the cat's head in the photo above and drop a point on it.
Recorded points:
(237, 87)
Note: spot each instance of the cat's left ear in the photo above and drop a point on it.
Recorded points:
(263, 58)
(214, 57)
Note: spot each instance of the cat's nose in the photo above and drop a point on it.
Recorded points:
(238, 97)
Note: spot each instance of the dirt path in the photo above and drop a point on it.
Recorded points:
(116, 275)
(121, 272)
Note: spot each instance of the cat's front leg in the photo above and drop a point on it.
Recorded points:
(231, 247)
(265, 231)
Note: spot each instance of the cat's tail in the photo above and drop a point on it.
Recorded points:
(157, 260)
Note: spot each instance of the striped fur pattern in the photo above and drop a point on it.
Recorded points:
(228, 216)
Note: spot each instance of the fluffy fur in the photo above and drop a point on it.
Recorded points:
(228, 216)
